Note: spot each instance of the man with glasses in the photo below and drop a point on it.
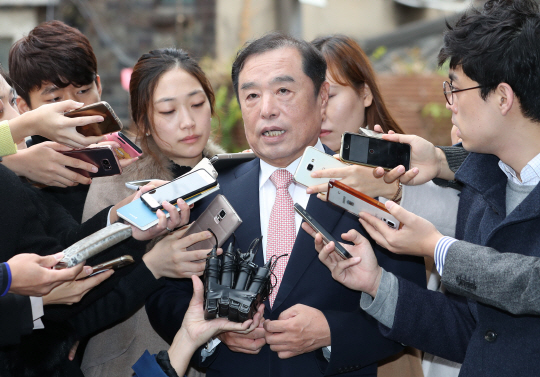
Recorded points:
(493, 94)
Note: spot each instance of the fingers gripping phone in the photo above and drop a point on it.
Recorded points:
(355, 202)
(184, 187)
(102, 157)
(220, 217)
(327, 237)
(127, 149)
(111, 122)
(370, 151)
(312, 160)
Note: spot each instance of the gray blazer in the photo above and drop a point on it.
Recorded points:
(507, 281)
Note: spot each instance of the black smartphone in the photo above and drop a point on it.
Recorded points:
(184, 187)
(370, 151)
(103, 158)
(327, 237)
(230, 160)
(111, 122)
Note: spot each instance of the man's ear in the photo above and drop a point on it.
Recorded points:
(323, 95)
(505, 97)
(22, 105)
(98, 85)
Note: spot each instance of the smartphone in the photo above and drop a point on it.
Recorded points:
(370, 151)
(327, 237)
(219, 216)
(138, 214)
(111, 122)
(184, 187)
(102, 157)
(127, 149)
(113, 264)
(355, 202)
(312, 160)
(230, 160)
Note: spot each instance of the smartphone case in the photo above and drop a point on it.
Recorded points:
(111, 122)
(312, 160)
(139, 215)
(94, 244)
(127, 148)
(103, 157)
(355, 202)
(212, 217)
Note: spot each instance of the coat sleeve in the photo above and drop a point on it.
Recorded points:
(15, 318)
(507, 281)
(434, 322)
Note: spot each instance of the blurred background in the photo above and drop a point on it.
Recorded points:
(402, 38)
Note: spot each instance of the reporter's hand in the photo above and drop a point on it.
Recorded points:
(49, 121)
(250, 343)
(73, 291)
(169, 257)
(299, 329)
(417, 236)
(31, 274)
(45, 164)
(361, 273)
(427, 161)
(361, 178)
(195, 330)
(176, 219)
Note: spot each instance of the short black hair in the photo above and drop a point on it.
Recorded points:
(499, 44)
(53, 52)
(313, 63)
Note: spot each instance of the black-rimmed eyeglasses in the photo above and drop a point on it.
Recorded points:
(449, 91)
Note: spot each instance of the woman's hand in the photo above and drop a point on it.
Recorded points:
(361, 273)
(73, 291)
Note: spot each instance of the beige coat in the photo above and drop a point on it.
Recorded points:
(113, 351)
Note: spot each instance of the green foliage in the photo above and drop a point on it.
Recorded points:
(227, 120)
(437, 111)
(379, 53)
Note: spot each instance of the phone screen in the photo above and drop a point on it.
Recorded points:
(182, 187)
(375, 152)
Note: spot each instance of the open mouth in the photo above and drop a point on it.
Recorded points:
(273, 133)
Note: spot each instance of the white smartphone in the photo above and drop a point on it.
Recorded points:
(312, 160)
(135, 185)
(355, 202)
(184, 187)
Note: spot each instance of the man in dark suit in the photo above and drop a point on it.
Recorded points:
(313, 325)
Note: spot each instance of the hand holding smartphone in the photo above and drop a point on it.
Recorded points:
(374, 152)
(127, 149)
(102, 157)
(111, 122)
(313, 160)
(355, 202)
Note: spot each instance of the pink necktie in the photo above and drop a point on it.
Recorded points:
(281, 227)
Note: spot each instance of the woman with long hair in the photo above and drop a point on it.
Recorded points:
(171, 103)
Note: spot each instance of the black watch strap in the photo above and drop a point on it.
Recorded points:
(162, 358)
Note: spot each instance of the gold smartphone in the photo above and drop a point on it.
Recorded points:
(110, 124)
(112, 264)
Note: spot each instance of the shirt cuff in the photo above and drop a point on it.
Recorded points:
(441, 249)
(37, 311)
(6, 276)
(327, 352)
(383, 307)
(210, 348)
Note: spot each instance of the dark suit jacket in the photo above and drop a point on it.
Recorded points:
(356, 343)
(488, 341)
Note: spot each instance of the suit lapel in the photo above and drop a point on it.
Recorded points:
(303, 253)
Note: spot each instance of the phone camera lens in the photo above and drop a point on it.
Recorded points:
(310, 167)
(222, 214)
(350, 203)
(106, 164)
(371, 151)
(391, 224)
